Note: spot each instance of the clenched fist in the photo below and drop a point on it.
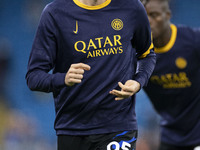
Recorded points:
(75, 73)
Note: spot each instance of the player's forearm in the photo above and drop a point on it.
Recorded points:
(39, 80)
(145, 68)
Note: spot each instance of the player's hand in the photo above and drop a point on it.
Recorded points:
(75, 73)
(127, 90)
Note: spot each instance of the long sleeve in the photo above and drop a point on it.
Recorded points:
(144, 48)
(43, 57)
(145, 67)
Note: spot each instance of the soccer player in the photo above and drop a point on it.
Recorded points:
(92, 46)
(174, 87)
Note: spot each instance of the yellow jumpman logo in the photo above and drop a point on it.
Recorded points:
(76, 28)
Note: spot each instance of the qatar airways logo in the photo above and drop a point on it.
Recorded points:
(100, 46)
(172, 80)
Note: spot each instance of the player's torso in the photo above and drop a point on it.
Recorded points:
(102, 39)
(175, 80)
(174, 90)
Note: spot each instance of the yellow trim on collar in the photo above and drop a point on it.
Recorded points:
(171, 42)
(106, 3)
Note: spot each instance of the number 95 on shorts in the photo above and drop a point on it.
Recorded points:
(119, 141)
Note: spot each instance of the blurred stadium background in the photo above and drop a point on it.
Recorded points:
(27, 118)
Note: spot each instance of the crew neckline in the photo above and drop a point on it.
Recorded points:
(104, 4)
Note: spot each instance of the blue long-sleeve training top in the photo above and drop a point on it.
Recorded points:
(111, 38)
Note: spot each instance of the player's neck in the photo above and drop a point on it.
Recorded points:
(92, 2)
(162, 40)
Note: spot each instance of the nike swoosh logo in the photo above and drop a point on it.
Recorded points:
(76, 28)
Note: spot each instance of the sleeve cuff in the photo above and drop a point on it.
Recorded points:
(141, 79)
(58, 80)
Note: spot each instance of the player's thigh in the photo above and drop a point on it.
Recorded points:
(68, 142)
(119, 141)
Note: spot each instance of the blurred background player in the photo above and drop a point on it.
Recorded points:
(91, 47)
(175, 84)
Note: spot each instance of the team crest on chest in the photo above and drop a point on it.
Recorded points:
(181, 62)
(117, 24)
